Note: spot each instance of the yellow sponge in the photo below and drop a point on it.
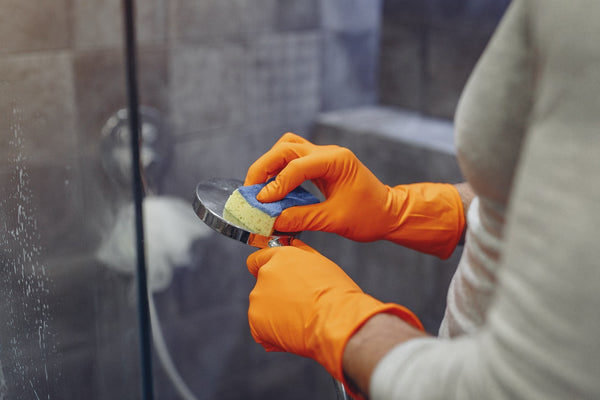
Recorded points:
(238, 211)
(243, 210)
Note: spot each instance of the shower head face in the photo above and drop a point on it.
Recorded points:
(209, 202)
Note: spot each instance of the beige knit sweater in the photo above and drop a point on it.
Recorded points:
(523, 313)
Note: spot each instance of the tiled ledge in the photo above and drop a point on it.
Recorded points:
(395, 124)
(398, 145)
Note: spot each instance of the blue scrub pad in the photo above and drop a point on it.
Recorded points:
(297, 197)
(244, 210)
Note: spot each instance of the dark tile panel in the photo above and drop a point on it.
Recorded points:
(37, 107)
(206, 86)
(197, 21)
(449, 35)
(100, 87)
(69, 331)
(209, 21)
(117, 359)
(218, 359)
(350, 16)
(217, 277)
(447, 13)
(218, 153)
(482, 14)
(100, 24)
(401, 66)
(206, 347)
(349, 70)
(282, 77)
(31, 26)
(452, 55)
(294, 15)
(405, 11)
(100, 91)
(50, 197)
(77, 377)
(261, 16)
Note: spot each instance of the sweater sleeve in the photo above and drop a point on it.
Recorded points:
(539, 337)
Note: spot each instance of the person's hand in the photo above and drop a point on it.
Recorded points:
(355, 199)
(305, 304)
(427, 217)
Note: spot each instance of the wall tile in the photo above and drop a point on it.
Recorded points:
(290, 377)
(218, 359)
(37, 107)
(51, 196)
(206, 348)
(217, 276)
(401, 66)
(349, 70)
(117, 358)
(405, 11)
(452, 55)
(350, 16)
(282, 77)
(100, 91)
(445, 13)
(55, 330)
(30, 26)
(259, 16)
(293, 15)
(203, 21)
(153, 77)
(200, 21)
(72, 302)
(450, 36)
(482, 14)
(222, 153)
(100, 87)
(76, 366)
(97, 24)
(100, 24)
(206, 87)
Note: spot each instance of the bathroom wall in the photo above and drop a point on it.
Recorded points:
(228, 77)
(428, 49)
(240, 74)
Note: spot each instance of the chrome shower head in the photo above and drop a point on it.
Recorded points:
(209, 201)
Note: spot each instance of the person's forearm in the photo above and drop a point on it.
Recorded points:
(370, 344)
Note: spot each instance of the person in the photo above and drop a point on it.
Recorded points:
(522, 309)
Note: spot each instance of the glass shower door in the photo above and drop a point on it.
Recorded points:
(68, 306)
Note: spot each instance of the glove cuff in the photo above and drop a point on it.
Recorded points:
(431, 218)
(348, 321)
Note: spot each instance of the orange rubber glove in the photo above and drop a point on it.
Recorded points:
(427, 217)
(305, 304)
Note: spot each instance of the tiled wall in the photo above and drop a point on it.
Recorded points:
(229, 77)
(241, 73)
(428, 49)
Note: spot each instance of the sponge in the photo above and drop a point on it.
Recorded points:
(243, 210)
